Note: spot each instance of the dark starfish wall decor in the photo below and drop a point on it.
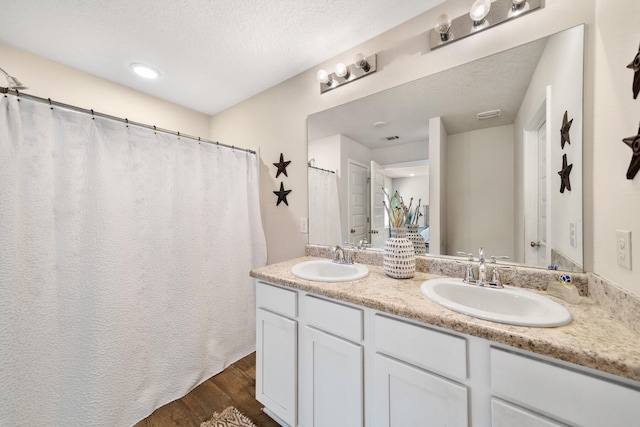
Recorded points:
(282, 194)
(635, 66)
(282, 166)
(634, 143)
(564, 130)
(564, 174)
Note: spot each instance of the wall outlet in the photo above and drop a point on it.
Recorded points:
(304, 225)
(623, 243)
(572, 235)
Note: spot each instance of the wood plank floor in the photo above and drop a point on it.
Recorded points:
(235, 386)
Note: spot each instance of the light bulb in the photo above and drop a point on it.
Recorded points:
(361, 62)
(342, 71)
(479, 11)
(322, 76)
(443, 25)
(517, 4)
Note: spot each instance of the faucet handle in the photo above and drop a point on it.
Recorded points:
(494, 258)
(469, 256)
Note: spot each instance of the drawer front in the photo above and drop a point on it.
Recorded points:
(432, 350)
(337, 319)
(504, 414)
(561, 392)
(278, 300)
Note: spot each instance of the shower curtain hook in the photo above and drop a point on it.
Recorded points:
(50, 104)
(198, 140)
(126, 121)
(93, 116)
(154, 129)
(218, 145)
(178, 135)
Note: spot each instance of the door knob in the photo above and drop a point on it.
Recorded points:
(535, 244)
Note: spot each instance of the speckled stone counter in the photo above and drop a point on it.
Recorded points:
(593, 339)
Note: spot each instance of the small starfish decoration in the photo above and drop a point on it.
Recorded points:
(564, 174)
(282, 166)
(564, 130)
(282, 194)
(634, 143)
(635, 66)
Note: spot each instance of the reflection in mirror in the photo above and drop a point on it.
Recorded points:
(494, 182)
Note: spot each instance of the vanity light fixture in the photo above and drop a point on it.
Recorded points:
(343, 74)
(145, 71)
(483, 14)
(12, 82)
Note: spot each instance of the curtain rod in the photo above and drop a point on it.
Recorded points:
(117, 119)
(320, 169)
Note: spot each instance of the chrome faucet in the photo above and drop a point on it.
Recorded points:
(482, 269)
(468, 276)
(363, 243)
(338, 254)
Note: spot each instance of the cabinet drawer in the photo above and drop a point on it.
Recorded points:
(278, 300)
(338, 319)
(562, 392)
(422, 347)
(504, 414)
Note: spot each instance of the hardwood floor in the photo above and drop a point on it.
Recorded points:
(235, 386)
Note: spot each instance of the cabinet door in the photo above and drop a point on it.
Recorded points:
(331, 383)
(406, 396)
(504, 414)
(276, 360)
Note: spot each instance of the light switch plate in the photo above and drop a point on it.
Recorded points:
(623, 248)
(304, 225)
(572, 234)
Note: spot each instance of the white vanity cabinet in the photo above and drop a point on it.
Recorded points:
(547, 393)
(321, 362)
(331, 364)
(415, 376)
(277, 351)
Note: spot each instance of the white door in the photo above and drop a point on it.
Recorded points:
(276, 360)
(331, 388)
(378, 234)
(536, 203)
(406, 396)
(358, 206)
(542, 260)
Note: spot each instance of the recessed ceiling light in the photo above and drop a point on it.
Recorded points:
(145, 71)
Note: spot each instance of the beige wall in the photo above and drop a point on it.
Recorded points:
(616, 200)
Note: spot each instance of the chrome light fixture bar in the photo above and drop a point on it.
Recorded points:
(483, 14)
(361, 66)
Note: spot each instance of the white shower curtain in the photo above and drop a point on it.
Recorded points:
(324, 208)
(124, 266)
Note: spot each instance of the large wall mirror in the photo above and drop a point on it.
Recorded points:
(485, 136)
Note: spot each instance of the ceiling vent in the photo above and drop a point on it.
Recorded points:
(489, 114)
(391, 138)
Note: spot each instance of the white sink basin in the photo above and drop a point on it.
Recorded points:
(328, 271)
(510, 305)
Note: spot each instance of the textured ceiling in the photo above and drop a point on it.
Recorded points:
(211, 53)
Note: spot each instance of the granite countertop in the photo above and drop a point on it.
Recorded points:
(593, 339)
